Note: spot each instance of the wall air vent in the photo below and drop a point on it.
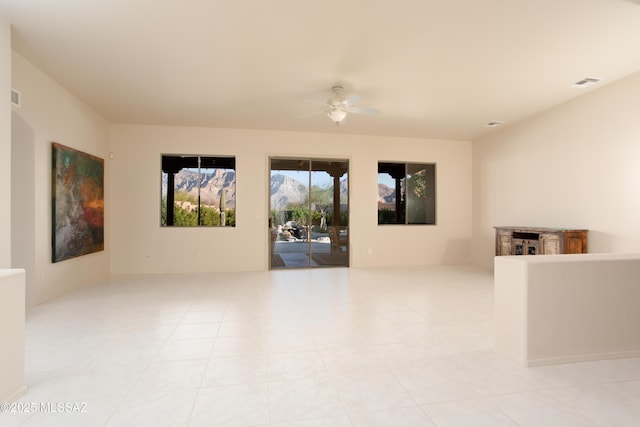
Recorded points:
(16, 98)
(586, 82)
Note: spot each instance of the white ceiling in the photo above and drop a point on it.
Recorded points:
(434, 68)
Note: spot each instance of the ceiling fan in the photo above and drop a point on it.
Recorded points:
(337, 107)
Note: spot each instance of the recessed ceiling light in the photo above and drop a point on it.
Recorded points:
(494, 123)
(588, 81)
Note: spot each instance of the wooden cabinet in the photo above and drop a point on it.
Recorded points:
(540, 241)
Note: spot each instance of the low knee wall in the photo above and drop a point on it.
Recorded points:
(567, 308)
(12, 335)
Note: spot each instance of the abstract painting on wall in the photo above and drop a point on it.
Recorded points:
(78, 203)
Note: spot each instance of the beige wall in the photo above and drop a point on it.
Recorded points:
(140, 245)
(5, 144)
(50, 113)
(574, 166)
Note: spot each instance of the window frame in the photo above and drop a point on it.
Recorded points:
(174, 164)
(404, 211)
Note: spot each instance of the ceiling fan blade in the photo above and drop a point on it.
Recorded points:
(359, 110)
(353, 99)
(312, 101)
(313, 114)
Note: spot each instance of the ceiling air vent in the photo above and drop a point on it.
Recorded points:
(16, 100)
(494, 124)
(586, 82)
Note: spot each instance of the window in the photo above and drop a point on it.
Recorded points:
(198, 191)
(406, 193)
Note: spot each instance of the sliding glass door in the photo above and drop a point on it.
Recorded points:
(309, 213)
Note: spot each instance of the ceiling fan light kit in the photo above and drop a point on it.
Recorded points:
(338, 106)
(337, 115)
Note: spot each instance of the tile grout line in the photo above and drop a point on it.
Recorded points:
(206, 366)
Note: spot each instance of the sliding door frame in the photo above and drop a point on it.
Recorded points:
(326, 230)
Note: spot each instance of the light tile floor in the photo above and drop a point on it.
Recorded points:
(326, 347)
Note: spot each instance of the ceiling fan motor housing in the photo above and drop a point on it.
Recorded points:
(337, 106)
(337, 102)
